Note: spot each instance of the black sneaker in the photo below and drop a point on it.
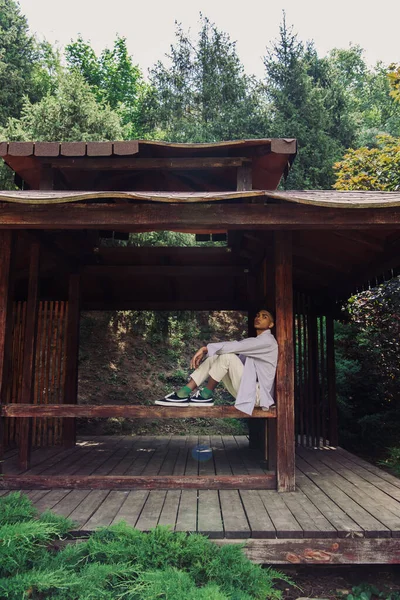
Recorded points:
(197, 400)
(173, 400)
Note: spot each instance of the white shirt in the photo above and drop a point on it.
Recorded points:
(261, 355)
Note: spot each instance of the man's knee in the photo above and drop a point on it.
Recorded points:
(227, 359)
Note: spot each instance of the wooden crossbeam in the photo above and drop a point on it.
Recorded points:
(129, 410)
(163, 270)
(145, 482)
(135, 164)
(138, 217)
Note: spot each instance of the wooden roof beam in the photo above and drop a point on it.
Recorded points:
(156, 216)
(133, 163)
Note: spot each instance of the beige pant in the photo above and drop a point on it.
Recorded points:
(227, 368)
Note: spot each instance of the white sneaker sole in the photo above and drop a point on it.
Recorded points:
(201, 403)
(172, 403)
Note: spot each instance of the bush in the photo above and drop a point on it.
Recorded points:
(119, 562)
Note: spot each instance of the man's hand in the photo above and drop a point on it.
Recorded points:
(198, 357)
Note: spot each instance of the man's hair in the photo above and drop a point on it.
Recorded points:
(271, 314)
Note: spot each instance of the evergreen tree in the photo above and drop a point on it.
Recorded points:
(203, 95)
(113, 78)
(16, 60)
(306, 105)
(70, 114)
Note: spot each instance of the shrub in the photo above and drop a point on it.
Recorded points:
(119, 562)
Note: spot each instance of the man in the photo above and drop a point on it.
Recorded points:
(246, 368)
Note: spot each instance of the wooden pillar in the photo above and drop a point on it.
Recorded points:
(7, 239)
(28, 365)
(285, 370)
(331, 381)
(71, 360)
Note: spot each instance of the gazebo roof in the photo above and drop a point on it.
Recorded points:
(150, 165)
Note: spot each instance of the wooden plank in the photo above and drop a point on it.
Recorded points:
(379, 504)
(73, 149)
(20, 148)
(311, 520)
(82, 513)
(187, 511)
(371, 526)
(3, 148)
(70, 502)
(47, 148)
(283, 146)
(6, 324)
(209, 518)
(206, 462)
(146, 452)
(331, 381)
(173, 216)
(259, 520)
(129, 410)
(71, 360)
(344, 525)
(244, 177)
(28, 368)
(222, 466)
(326, 551)
(151, 510)
(233, 515)
(131, 508)
(121, 164)
(49, 500)
(176, 443)
(130, 458)
(234, 456)
(126, 148)
(285, 523)
(99, 148)
(163, 271)
(169, 510)
(251, 458)
(285, 370)
(106, 512)
(369, 467)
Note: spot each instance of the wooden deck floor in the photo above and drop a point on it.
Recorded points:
(340, 499)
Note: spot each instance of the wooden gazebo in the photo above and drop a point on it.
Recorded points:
(302, 252)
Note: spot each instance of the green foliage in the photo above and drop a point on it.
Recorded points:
(371, 168)
(308, 103)
(203, 94)
(120, 563)
(368, 369)
(16, 59)
(392, 461)
(70, 114)
(366, 591)
(16, 508)
(112, 77)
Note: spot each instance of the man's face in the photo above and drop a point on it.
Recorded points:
(263, 320)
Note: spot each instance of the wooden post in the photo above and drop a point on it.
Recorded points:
(28, 366)
(285, 371)
(6, 297)
(71, 360)
(331, 381)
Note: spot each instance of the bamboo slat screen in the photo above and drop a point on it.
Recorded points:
(314, 421)
(49, 369)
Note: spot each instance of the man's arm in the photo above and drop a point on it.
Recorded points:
(249, 347)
